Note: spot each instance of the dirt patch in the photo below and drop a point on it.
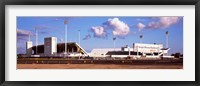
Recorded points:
(95, 66)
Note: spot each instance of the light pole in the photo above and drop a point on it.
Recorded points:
(114, 43)
(166, 33)
(141, 38)
(36, 39)
(166, 38)
(141, 42)
(29, 39)
(65, 22)
(79, 37)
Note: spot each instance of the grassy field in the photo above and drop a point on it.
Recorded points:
(95, 66)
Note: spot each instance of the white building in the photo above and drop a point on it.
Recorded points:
(138, 50)
(50, 45)
(29, 45)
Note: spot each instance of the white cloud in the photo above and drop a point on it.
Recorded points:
(87, 37)
(168, 21)
(153, 25)
(99, 32)
(119, 27)
(163, 22)
(140, 26)
(23, 32)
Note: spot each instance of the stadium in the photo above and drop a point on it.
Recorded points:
(72, 55)
(72, 49)
(51, 48)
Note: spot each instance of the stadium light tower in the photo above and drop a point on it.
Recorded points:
(79, 37)
(65, 22)
(129, 52)
(36, 39)
(166, 33)
(141, 38)
(29, 38)
(114, 43)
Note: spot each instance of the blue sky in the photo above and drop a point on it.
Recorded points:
(98, 32)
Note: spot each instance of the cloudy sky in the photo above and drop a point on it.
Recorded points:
(98, 32)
